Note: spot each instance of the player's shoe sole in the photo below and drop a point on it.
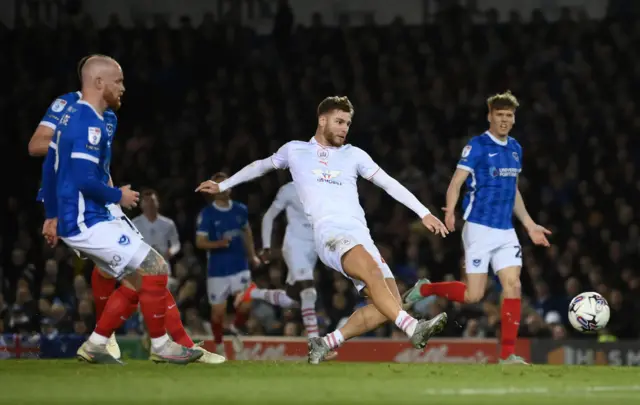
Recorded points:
(426, 329)
(95, 356)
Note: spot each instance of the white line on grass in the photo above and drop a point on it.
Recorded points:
(532, 390)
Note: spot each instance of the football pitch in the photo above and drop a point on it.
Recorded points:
(140, 382)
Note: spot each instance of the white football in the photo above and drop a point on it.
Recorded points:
(589, 312)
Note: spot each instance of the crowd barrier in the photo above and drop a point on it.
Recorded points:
(460, 351)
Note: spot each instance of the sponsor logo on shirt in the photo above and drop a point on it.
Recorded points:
(327, 176)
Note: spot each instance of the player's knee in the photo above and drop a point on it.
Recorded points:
(309, 295)
(154, 265)
(512, 287)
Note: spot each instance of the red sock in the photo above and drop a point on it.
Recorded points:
(241, 319)
(153, 303)
(101, 288)
(173, 323)
(116, 311)
(216, 329)
(510, 322)
(451, 290)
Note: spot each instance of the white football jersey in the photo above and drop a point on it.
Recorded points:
(325, 178)
(298, 226)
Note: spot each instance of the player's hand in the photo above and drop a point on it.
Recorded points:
(434, 225)
(129, 197)
(209, 187)
(255, 262)
(538, 235)
(449, 219)
(265, 255)
(49, 231)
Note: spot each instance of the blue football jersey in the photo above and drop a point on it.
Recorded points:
(219, 223)
(83, 146)
(494, 166)
(57, 109)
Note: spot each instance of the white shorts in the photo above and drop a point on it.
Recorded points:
(113, 246)
(334, 238)
(220, 288)
(300, 257)
(484, 246)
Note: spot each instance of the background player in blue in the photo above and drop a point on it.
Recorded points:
(490, 165)
(83, 153)
(223, 231)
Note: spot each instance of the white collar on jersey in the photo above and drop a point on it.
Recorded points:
(496, 140)
(79, 93)
(90, 106)
(314, 141)
(221, 208)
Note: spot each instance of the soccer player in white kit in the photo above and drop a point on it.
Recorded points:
(325, 172)
(490, 165)
(299, 254)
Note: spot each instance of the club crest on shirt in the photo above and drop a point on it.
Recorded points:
(110, 129)
(516, 157)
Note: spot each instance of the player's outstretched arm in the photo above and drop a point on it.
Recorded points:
(400, 193)
(256, 169)
(246, 174)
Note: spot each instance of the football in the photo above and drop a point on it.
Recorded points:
(589, 312)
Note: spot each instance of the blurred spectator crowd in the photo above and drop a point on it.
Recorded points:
(215, 96)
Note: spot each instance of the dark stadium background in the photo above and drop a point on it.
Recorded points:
(213, 93)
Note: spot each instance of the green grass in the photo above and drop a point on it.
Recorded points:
(140, 382)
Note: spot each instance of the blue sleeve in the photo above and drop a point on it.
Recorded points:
(85, 161)
(56, 110)
(49, 184)
(470, 156)
(202, 225)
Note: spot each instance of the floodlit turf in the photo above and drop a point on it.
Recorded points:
(139, 382)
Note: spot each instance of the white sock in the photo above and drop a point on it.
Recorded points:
(158, 342)
(278, 298)
(308, 298)
(406, 322)
(98, 339)
(334, 339)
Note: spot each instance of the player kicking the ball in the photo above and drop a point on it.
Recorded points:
(324, 172)
(490, 165)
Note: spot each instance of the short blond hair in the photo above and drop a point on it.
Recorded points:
(503, 101)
